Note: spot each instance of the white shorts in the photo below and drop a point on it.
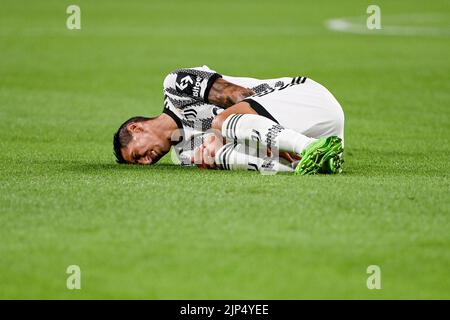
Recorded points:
(302, 105)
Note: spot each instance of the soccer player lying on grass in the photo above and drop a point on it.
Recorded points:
(297, 118)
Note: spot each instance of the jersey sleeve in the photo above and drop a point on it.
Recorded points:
(189, 85)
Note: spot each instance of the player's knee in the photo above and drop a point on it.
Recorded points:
(337, 121)
(340, 119)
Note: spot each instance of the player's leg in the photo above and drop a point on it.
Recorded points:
(240, 122)
(308, 108)
(242, 156)
(213, 154)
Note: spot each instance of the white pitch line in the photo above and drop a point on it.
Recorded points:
(346, 25)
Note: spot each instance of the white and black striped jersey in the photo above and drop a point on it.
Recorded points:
(186, 101)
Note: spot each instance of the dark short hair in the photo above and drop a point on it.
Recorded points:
(123, 137)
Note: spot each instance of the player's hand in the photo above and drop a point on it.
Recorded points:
(291, 157)
(204, 155)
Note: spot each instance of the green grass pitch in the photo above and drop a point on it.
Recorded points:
(170, 232)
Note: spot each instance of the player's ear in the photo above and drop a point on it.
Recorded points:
(135, 127)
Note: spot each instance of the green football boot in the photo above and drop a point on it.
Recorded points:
(322, 156)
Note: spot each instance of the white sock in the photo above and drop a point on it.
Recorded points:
(260, 129)
(238, 156)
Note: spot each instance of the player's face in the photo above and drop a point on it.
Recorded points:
(145, 148)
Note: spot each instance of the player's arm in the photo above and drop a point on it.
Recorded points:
(205, 85)
(225, 94)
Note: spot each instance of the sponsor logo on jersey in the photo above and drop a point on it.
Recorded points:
(196, 89)
(184, 83)
(188, 84)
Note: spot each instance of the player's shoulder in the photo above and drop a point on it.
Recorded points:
(184, 77)
(203, 68)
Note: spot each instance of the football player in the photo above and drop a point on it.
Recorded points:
(217, 121)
